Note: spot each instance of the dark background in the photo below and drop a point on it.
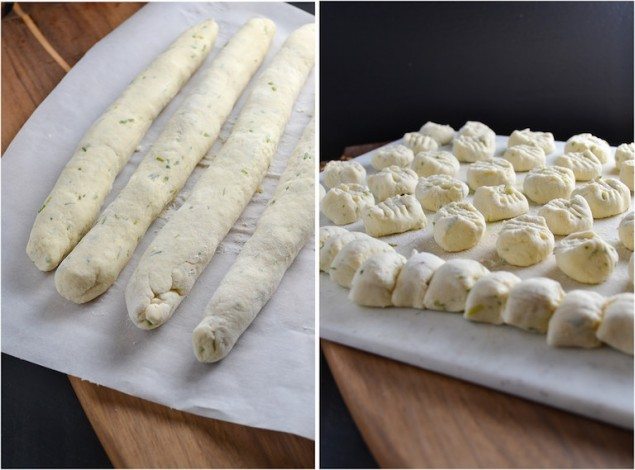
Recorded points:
(388, 67)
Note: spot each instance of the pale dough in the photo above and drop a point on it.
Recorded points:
(392, 181)
(541, 185)
(338, 172)
(458, 226)
(544, 140)
(624, 153)
(471, 149)
(499, 202)
(352, 256)
(333, 245)
(606, 197)
(581, 142)
(616, 328)
(451, 283)
(586, 257)
(436, 162)
(413, 280)
(375, 280)
(395, 154)
(565, 216)
(345, 203)
(492, 172)
(397, 214)
(627, 173)
(436, 191)
(328, 231)
(585, 165)
(525, 240)
(625, 230)
(525, 157)
(488, 296)
(442, 133)
(576, 320)
(531, 303)
(419, 143)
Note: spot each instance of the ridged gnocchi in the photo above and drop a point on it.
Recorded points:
(544, 140)
(585, 165)
(606, 197)
(396, 214)
(585, 257)
(338, 172)
(392, 181)
(525, 240)
(525, 157)
(492, 172)
(390, 155)
(419, 143)
(435, 162)
(344, 203)
(565, 216)
(499, 202)
(436, 191)
(541, 185)
(586, 141)
(458, 226)
(442, 133)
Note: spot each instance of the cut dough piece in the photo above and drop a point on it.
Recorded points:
(586, 257)
(616, 328)
(352, 256)
(565, 216)
(525, 157)
(396, 214)
(458, 226)
(487, 299)
(414, 278)
(334, 244)
(451, 283)
(322, 192)
(419, 143)
(345, 203)
(476, 129)
(435, 162)
(576, 320)
(392, 181)
(623, 153)
(329, 231)
(525, 240)
(500, 202)
(586, 141)
(544, 140)
(532, 302)
(375, 280)
(443, 134)
(399, 155)
(541, 185)
(585, 165)
(472, 149)
(606, 197)
(625, 230)
(627, 173)
(492, 172)
(337, 172)
(436, 191)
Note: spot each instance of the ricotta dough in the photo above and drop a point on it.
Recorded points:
(488, 296)
(531, 303)
(625, 230)
(499, 202)
(436, 191)
(392, 181)
(585, 165)
(565, 216)
(616, 328)
(627, 173)
(352, 256)
(396, 214)
(458, 226)
(442, 133)
(338, 172)
(544, 140)
(582, 142)
(586, 257)
(606, 197)
(328, 231)
(525, 157)
(525, 240)
(345, 203)
(375, 280)
(492, 172)
(451, 283)
(333, 245)
(435, 162)
(322, 192)
(419, 143)
(414, 278)
(471, 149)
(395, 154)
(541, 185)
(576, 320)
(624, 153)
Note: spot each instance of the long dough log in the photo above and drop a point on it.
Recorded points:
(73, 205)
(94, 264)
(282, 231)
(185, 245)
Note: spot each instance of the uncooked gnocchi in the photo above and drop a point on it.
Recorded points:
(334, 244)
(451, 283)
(396, 214)
(472, 149)
(586, 141)
(436, 191)
(499, 202)
(350, 172)
(606, 197)
(531, 303)
(525, 240)
(476, 129)
(392, 181)
(352, 256)
(413, 280)
(396, 154)
(541, 185)
(328, 231)
(585, 165)
(525, 157)
(544, 140)
(625, 230)
(586, 257)
(344, 203)
(492, 172)
(623, 153)
(487, 299)
(627, 173)
(576, 320)
(419, 143)
(458, 226)
(435, 162)
(374, 281)
(616, 328)
(565, 216)
(443, 134)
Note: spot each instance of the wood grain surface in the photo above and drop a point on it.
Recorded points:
(134, 432)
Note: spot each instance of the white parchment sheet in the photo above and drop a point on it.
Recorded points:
(268, 379)
(597, 383)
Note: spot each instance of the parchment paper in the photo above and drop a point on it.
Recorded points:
(268, 379)
(597, 383)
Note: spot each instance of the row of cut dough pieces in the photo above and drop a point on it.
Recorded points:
(385, 278)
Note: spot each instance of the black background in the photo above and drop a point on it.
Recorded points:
(388, 67)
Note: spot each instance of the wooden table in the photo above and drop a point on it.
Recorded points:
(410, 417)
(125, 425)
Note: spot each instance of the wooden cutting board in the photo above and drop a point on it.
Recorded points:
(413, 418)
(134, 432)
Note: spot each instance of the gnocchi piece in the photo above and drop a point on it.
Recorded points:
(576, 320)
(390, 155)
(627, 173)
(525, 240)
(337, 172)
(328, 231)
(541, 185)
(375, 280)
(435, 162)
(396, 214)
(499, 202)
(525, 157)
(443, 134)
(352, 256)
(476, 129)
(585, 165)
(586, 257)
(544, 140)
(334, 244)
(419, 143)
(623, 153)
(487, 299)
(392, 181)
(531, 303)
(625, 230)
(436, 191)
(472, 149)
(458, 226)
(414, 278)
(565, 216)
(344, 203)
(451, 283)
(322, 192)
(606, 197)
(586, 141)
(492, 172)
(616, 328)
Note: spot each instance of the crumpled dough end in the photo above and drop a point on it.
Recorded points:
(155, 311)
(78, 285)
(210, 344)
